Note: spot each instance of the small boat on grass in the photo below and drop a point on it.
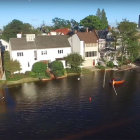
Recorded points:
(116, 82)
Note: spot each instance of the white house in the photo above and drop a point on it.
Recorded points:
(30, 49)
(5, 44)
(86, 44)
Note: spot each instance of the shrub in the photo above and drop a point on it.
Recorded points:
(39, 67)
(57, 68)
(110, 64)
(73, 70)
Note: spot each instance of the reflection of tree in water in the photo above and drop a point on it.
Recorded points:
(6, 101)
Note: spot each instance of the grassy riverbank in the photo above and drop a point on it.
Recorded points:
(83, 72)
(21, 81)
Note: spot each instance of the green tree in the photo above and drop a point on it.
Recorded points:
(61, 23)
(15, 27)
(104, 19)
(10, 65)
(39, 67)
(98, 13)
(74, 60)
(92, 22)
(102, 16)
(57, 68)
(129, 39)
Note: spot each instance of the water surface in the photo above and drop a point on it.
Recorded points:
(72, 109)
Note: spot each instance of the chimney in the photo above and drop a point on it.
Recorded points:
(19, 35)
(87, 29)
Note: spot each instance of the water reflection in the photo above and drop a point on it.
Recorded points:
(59, 108)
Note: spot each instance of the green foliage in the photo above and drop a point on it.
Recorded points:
(74, 70)
(92, 22)
(57, 68)
(10, 66)
(110, 64)
(102, 16)
(74, 60)
(100, 67)
(14, 77)
(15, 27)
(61, 23)
(39, 67)
(129, 39)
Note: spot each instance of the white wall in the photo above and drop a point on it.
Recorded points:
(75, 43)
(5, 44)
(28, 56)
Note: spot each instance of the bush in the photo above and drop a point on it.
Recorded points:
(73, 70)
(110, 64)
(39, 67)
(57, 68)
(16, 76)
(100, 67)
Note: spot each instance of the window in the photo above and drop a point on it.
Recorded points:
(28, 64)
(60, 51)
(90, 54)
(19, 53)
(44, 52)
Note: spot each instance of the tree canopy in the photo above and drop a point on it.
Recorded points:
(74, 60)
(15, 27)
(92, 22)
(129, 38)
(39, 67)
(10, 66)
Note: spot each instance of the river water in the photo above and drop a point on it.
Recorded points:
(72, 109)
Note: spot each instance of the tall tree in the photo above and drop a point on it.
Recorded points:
(98, 13)
(10, 65)
(61, 23)
(129, 39)
(92, 22)
(104, 19)
(15, 27)
(102, 16)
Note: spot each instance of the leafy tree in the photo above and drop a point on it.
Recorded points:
(129, 38)
(10, 65)
(104, 19)
(98, 13)
(116, 36)
(75, 61)
(57, 68)
(92, 22)
(61, 23)
(74, 24)
(15, 27)
(102, 16)
(39, 67)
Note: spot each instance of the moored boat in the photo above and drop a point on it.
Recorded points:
(116, 82)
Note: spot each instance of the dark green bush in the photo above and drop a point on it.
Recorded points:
(73, 70)
(110, 64)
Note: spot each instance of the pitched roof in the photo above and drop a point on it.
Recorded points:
(65, 31)
(41, 42)
(88, 37)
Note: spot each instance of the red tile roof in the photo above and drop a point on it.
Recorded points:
(88, 37)
(64, 31)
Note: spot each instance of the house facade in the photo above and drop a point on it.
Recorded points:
(86, 44)
(30, 49)
(5, 44)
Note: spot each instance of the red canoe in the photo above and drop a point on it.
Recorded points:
(117, 82)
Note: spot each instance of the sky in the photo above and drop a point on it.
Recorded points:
(37, 12)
